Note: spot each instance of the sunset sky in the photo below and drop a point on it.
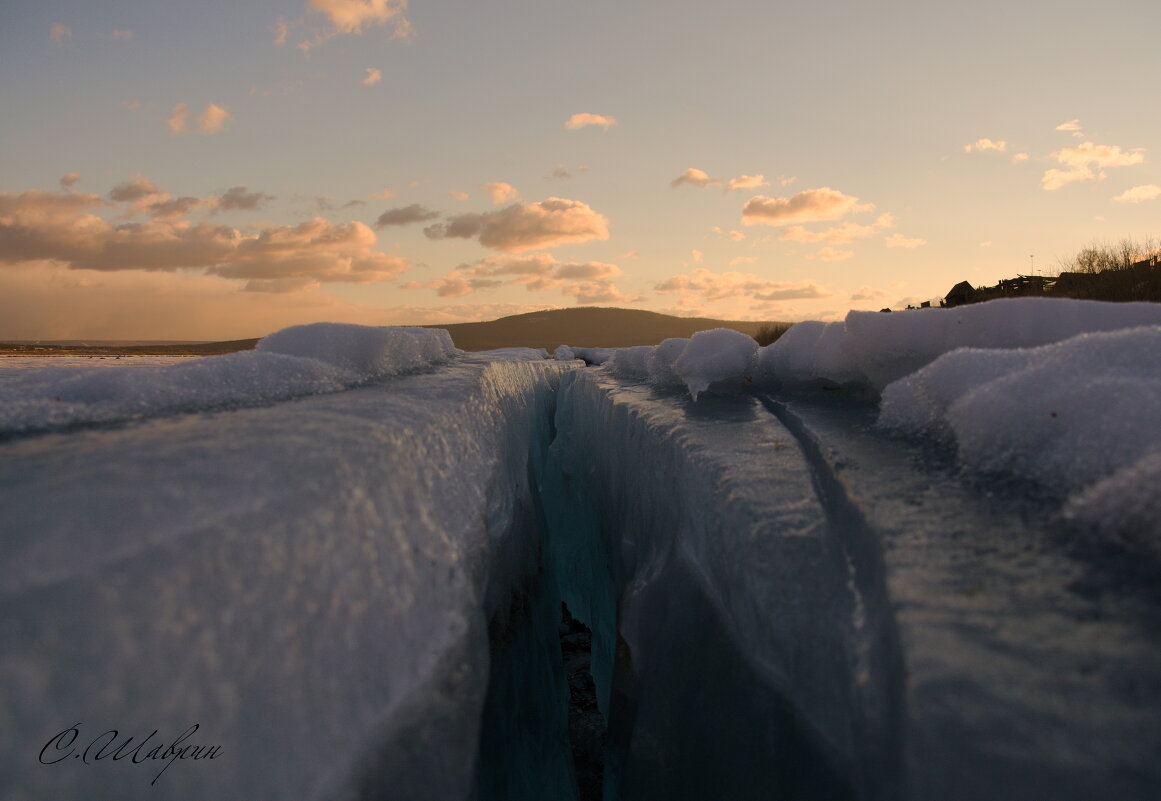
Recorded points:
(216, 170)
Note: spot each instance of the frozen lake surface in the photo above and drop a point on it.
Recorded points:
(909, 556)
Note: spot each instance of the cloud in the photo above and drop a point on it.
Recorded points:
(501, 192)
(900, 241)
(386, 194)
(986, 144)
(1019, 158)
(710, 287)
(211, 121)
(372, 77)
(123, 35)
(558, 174)
(694, 177)
(787, 180)
(179, 118)
(866, 293)
(140, 193)
(697, 255)
(734, 262)
(588, 282)
(519, 227)
(349, 17)
(746, 182)
(811, 205)
(1086, 162)
(405, 215)
(177, 207)
(38, 225)
(458, 195)
(737, 236)
(281, 286)
(213, 118)
(839, 235)
(59, 32)
(67, 180)
(1072, 126)
(1139, 194)
(578, 121)
(830, 254)
(238, 198)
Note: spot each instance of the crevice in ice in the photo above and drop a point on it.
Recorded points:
(878, 669)
(586, 724)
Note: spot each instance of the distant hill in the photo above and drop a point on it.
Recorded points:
(587, 327)
(583, 327)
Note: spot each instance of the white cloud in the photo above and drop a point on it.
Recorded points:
(986, 144)
(694, 177)
(59, 32)
(1139, 194)
(372, 77)
(1086, 162)
(584, 119)
(811, 205)
(519, 227)
(746, 182)
(501, 192)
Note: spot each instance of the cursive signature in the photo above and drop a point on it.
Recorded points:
(105, 746)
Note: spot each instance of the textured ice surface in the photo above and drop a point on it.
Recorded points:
(1066, 416)
(311, 582)
(302, 360)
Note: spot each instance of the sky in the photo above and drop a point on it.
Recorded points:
(219, 170)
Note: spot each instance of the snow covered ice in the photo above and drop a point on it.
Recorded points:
(905, 556)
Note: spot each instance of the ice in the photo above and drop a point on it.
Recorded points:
(302, 360)
(1065, 415)
(720, 354)
(312, 582)
(346, 559)
(362, 351)
(887, 347)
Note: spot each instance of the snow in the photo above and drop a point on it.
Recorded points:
(348, 548)
(301, 360)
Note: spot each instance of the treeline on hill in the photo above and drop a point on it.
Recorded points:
(1125, 271)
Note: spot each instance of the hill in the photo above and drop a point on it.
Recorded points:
(586, 326)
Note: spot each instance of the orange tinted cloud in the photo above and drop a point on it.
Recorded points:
(839, 235)
(588, 282)
(61, 226)
(519, 227)
(811, 205)
(1139, 194)
(1086, 162)
(213, 118)
(501, 192)
(694, 177)
(900, 241)
(372, 77)
(710, 287)
(59, 32)
(584, 119)
(986, 144)
(747, 182)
